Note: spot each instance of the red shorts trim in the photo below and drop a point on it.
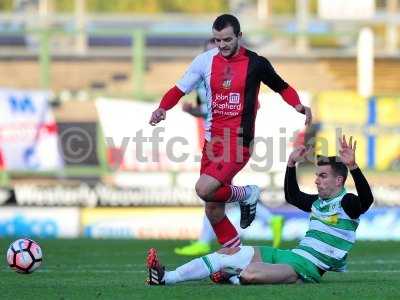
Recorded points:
(223, 162)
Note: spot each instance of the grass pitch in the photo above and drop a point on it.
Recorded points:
(115, 269)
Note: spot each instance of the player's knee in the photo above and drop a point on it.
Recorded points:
(248, 276)
(293, 278)
(203, 192)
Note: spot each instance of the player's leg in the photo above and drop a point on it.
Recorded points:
(202, 245)
(214, 186)
(214, 164)
(259, 272)
(234, 258)
(226, 233)
(279, 266)
(271, 267)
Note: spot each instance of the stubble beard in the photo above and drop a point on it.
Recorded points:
(233, 52)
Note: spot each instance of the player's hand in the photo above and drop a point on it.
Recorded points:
(306, 111)
(157, 116)
(187, 107)
(299, 154)
(347, 152)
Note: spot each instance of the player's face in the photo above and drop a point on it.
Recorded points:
(226, 41)
(327, 182)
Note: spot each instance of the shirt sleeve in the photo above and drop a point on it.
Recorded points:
(193, 75)
(171, 98)
(293, 195)
(355, 205)
(290, 96)
(269, 77)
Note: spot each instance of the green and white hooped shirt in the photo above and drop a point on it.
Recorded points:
(331, 235)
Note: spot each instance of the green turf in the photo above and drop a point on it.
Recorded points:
(114, 269)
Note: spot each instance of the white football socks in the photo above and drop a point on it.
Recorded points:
(193, 270)
(203, 267)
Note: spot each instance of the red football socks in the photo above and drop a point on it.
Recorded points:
(230, 193)
(226, 233)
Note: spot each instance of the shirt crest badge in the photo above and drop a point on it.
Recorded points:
(226, 84)
(227, 78)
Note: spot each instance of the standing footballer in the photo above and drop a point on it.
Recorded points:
(232, 75)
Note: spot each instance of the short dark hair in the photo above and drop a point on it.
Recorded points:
(226, 20)
(338, 167)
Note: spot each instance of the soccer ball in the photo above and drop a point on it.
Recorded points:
(24, 256)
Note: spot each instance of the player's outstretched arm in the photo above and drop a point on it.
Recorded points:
(290, 95)
(277, 84)
(169, 100)
(293, 195)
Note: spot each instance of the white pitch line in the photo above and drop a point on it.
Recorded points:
(373, 271)
(83, 271)
(110, 266)
(369, 262)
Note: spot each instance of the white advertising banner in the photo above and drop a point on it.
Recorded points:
(28, 131)
(346, 9)
(135, 145)
(278, 128)
(43, 222)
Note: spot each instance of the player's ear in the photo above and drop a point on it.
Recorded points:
(239, 35)
(340, 180)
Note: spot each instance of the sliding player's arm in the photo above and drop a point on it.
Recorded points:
(354, 205)
(293, 195)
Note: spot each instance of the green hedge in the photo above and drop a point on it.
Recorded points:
(147, 6)
(159, 6)
(289, 6)
(6, 5)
